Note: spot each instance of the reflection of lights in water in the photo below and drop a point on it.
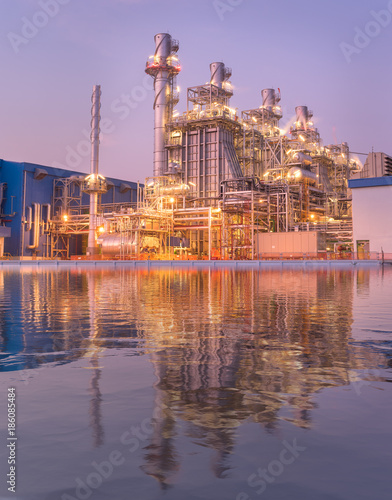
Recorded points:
(227, 346)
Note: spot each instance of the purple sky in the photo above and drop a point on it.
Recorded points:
(47, 73)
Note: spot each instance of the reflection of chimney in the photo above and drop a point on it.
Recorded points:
(95, 404)
(96, 396)
(161, 457)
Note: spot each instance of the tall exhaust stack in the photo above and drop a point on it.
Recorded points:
(95, 130)
(219, 74)
(303, 115)
(163, 66)
(94, 184)
(270, 99)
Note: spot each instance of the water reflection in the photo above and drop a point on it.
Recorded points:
(227, 346)
(93, 351)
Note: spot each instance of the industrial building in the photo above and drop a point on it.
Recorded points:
(372, 228)
(44, 211)
(223, 181)
(376, 165)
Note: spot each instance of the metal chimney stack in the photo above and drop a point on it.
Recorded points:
(94, 184)
(269, 99)
(219, 74)
(163, 67)
(302, 117)
(95, 130)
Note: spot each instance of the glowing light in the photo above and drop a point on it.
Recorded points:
(231, 110)
(65, 217)
(192, 184)
(101, 229)
(171, 200)
(302, 138)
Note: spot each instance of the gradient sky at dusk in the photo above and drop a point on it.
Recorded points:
(46, 81)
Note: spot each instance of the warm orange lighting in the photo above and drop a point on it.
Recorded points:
(65, 217)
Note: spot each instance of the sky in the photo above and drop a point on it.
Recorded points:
(333, 56)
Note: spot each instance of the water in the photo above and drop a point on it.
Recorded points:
(149, 383)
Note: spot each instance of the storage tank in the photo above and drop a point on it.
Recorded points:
(300, 174)
(302, 158)
(117, 244)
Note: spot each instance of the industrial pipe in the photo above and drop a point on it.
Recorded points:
(30, 219)
(2, 188)
(37, 223)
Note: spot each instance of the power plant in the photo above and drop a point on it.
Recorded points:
(224, 180)
(225, 185)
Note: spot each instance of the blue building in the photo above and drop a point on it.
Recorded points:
(44, 211)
